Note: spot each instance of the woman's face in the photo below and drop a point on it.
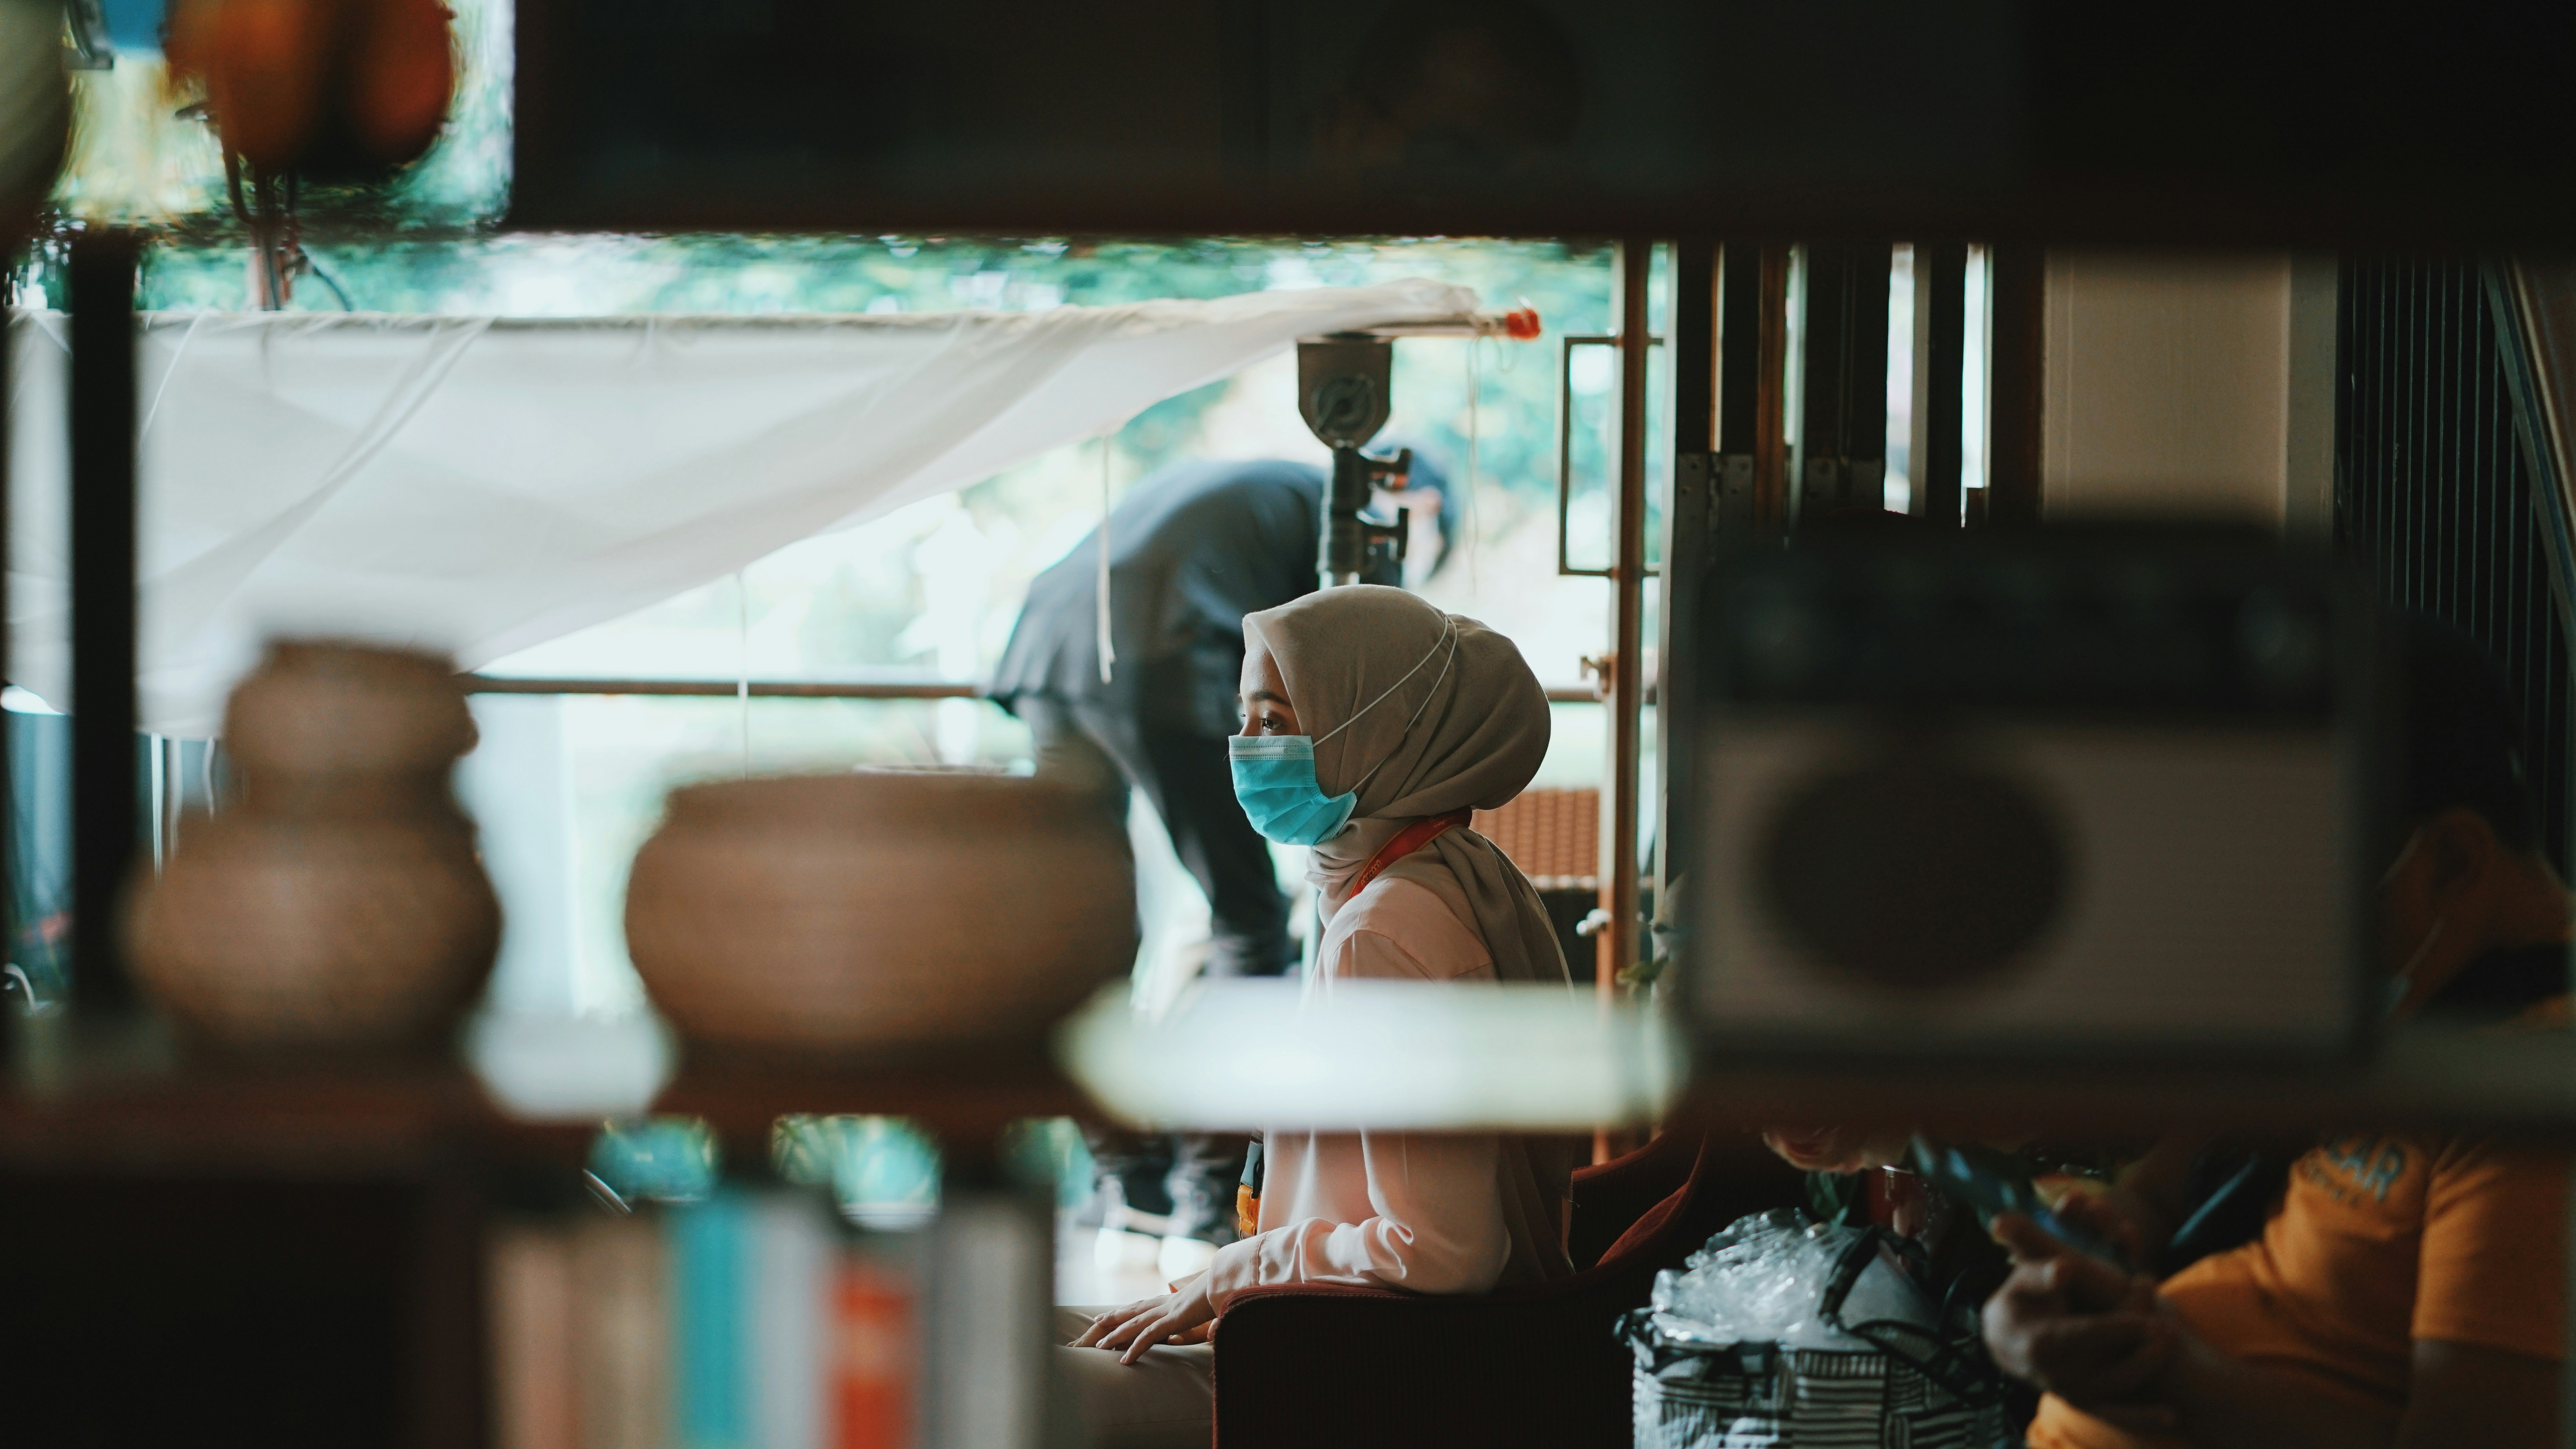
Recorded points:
(1266, 710)
(1836, 1149)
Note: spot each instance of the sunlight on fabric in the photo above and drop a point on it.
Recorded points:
(480, 485)
(1391, 1055)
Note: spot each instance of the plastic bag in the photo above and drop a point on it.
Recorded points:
(1788, 1333)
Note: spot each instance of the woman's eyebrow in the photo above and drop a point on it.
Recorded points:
(1266, 694)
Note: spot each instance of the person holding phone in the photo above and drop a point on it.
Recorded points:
(2407, 1289)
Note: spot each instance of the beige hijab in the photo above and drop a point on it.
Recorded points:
(1425, 712)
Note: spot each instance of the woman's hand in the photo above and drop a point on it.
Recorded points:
(1182, 1316)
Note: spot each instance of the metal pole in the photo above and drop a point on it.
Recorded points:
(104, 798)
(1615, 947)
(1345, 534)
(8, 783)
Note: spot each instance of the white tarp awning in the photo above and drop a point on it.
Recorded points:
(480, 485)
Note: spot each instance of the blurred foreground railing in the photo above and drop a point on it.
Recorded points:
(802, 689)
(1382, 1055)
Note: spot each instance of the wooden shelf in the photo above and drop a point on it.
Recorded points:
(339, 1120)
(104, 1111)
(425, 1117)
(2523, 1086)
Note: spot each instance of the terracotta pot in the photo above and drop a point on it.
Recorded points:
(276, 932)
(318, 711)
(262, 65)
(879, 909)
(340, 903)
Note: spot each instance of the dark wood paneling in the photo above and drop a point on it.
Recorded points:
(1741, 270)
(2187, 121)
(106, 803)
(1940, 354)
(2016, 384)
(146, 1308)
(1692, 345)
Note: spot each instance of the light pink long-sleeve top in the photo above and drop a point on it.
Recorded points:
(1382, 1209)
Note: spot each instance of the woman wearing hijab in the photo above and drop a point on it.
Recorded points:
(1374, 726)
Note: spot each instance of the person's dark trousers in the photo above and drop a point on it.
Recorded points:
(1186, 777)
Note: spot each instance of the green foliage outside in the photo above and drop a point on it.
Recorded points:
(656, 1159)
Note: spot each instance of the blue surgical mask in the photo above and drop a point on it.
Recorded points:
(1274, 777)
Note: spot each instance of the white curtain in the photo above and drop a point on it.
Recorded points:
(479, 485)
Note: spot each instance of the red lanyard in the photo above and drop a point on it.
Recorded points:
(1408, 840)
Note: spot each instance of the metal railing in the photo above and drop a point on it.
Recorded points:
(2439, 496)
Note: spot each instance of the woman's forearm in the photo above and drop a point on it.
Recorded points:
(2225, 1403)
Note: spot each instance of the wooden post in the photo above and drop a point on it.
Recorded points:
(1940, 377)
(1770, 419)
(1840, 460)
(1740, 274)
(1691, 341)
(2016, 381)
(1615, 944)
(105, 805)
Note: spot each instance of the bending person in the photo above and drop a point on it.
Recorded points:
(1194, 548)
(1374, 725)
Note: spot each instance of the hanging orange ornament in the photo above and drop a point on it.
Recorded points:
(401, 78)
(331, 88)
(261, 63)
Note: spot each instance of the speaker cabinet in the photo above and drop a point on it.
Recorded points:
(2071, 797)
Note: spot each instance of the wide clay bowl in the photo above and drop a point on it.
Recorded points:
(836, 913)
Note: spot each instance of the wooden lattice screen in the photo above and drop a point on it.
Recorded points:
(1554, 836)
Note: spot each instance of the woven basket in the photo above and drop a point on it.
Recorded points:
(827, 913)
(339, 905)
(1554, 836)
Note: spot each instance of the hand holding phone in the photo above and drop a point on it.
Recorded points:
(1993, 1183)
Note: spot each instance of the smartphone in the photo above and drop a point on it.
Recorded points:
(1992, 1183)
